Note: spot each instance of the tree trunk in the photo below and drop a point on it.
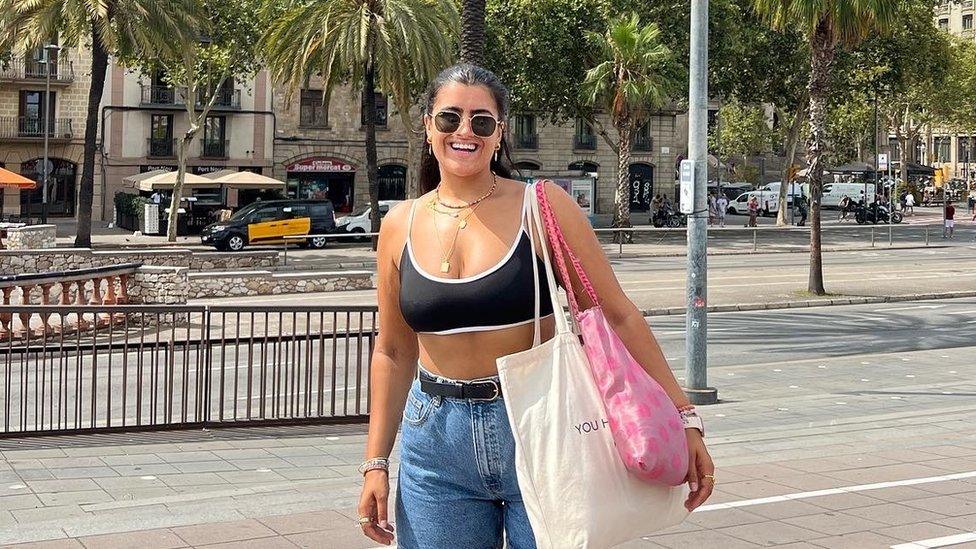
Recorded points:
(473, 32)
(372, 171)
(621, 196)
(822, 51)
(174, 202)
(903, 141)
(86, 190)
(792, 140)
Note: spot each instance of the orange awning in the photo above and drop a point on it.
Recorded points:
(11, 179)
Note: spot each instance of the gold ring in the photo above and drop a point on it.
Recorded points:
(709, 476)
(365, 520)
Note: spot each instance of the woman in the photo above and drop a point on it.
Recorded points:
(753, 206)
(455, 290)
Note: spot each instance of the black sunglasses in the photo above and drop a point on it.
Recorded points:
(482, 125)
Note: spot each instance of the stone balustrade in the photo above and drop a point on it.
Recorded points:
(78, 288)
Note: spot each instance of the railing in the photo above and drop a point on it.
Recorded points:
(176, 97)
(642, 143)
(527, 141)
(214, 148)
(178, 366)
(62, 71)
(160, 148)
(584, 142)
(29, 127)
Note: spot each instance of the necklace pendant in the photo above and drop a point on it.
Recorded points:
(445, 266)
(463, 224)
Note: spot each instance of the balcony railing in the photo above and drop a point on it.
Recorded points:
(167, 96)
(160, 148)
(214, 148)
(30, 127)
(584, 142)
(31, 70)
(527, 141)
(642, 143)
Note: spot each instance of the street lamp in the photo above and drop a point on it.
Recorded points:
(48, 50)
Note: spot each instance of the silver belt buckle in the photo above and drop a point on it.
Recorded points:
(498, 391)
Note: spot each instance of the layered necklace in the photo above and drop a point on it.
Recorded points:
(455, 211)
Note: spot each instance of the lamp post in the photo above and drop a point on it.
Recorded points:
(48, 49)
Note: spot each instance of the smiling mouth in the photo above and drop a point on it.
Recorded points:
(465, 147)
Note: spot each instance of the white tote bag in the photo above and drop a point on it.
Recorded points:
(576, 490)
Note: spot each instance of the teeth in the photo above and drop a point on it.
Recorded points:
(464, 146)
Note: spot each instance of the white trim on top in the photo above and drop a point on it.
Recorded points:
(483, 328)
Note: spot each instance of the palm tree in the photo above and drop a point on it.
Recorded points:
(473, 32)
(111, 26)
(827, 27)
(631, 78)
(393, 43)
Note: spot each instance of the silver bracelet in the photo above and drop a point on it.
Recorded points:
(374, 464)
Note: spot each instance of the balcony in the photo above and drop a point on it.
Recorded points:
(642, 143)
(160, 148)
(584, 142)
(214, 148)
(170, 97)
(527, 141)
(30, 71)
(31, 128)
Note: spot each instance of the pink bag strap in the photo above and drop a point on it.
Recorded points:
(557, 241)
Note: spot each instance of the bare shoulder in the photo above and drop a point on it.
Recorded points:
(393, 231)
(568, 212)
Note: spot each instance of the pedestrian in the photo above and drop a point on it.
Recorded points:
(433, 366)
(753, 211)
(655, 205)
(156, 198)
(910, 203)
(972, 201)
(845, 205)
(721, 208)
(950, 214)
(801, 206)
(711, 209)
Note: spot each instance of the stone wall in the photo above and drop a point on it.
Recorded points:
(251, 283)
(159, 285)
(59, 259)
(32, 237)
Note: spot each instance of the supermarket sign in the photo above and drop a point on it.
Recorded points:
(320, 164)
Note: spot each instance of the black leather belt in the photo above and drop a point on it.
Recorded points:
(487, 390)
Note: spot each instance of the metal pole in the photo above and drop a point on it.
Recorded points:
(696, 321)
(47, 129)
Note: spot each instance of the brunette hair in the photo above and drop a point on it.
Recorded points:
(469, 75)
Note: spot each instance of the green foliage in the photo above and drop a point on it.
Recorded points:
(850, 21)
(130, 204)
(743, 131)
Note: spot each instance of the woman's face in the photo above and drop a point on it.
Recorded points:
(464, 153)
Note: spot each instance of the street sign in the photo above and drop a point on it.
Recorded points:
(883, 161)
(686, 204)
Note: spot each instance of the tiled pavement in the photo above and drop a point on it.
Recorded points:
(821, 432)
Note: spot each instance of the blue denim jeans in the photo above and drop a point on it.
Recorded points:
(456, 484)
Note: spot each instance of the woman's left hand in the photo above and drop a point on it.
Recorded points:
(701, 470)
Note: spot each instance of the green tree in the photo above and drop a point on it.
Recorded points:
(473, 32)
(365, 42)
(198, 72)
(112, 27)
(827, 27)
(743, 131)
(631, 77)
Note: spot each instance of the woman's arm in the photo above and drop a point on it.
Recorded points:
(625, 319)
(395, 352)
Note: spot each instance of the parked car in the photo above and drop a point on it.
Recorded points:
(361, 221)
(268, 222)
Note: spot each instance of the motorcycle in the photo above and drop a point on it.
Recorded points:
(876, 213)
(667, 216)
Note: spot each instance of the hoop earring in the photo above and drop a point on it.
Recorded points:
(496, 153)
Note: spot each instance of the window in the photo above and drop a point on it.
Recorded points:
(642, 138)
(894, 148)
(214, 137)
(965, 150)
(393, 182)
(527, 165)
(524, 128)
(584, 139)
(31, 114)
(584, 166)
(381, 114)
(313, 112)
(296, 211)
(161, 135)
(944, 24)
(942, 146)
(269, 213)
(967, 22)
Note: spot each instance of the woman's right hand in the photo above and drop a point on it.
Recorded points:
(373, 504)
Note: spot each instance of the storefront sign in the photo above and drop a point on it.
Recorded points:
(320, 164)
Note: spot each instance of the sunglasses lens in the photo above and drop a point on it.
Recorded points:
(447, 122)
(483, 126)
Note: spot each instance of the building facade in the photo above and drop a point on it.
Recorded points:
(28, 112)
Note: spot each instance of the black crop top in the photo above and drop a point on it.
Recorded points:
(499, 297)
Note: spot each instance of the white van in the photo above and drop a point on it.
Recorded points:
(361, 221)
(833, 193)
(768, 197)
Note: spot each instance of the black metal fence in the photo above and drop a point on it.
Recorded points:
(154, 367)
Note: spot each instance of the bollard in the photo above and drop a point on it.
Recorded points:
(754, 246)
(872, 237)
(926, 235)
(889, 233)
(284, 260)
(620, 242)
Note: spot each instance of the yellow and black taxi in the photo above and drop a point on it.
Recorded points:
(269, 222)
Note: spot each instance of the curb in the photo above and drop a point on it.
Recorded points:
(670, 311)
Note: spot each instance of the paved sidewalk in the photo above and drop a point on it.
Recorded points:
(800, 446)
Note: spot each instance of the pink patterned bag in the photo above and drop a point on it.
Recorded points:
(645, 423)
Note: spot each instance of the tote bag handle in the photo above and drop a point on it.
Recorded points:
(535, 227)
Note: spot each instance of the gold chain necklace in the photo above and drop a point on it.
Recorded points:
(437, 196)
(446, 256)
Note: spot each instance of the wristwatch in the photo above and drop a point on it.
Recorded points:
(693, 422)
